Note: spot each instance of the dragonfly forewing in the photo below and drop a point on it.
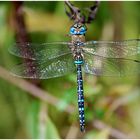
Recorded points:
(114, 49)
(102, 66)
(40, 51)
(50, 69)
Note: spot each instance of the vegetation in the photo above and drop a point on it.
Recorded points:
(48, 108)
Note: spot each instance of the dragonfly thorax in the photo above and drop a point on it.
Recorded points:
(77, 38)
(77, 32)
(77, 50)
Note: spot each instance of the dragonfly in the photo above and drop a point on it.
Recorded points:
(99, 58)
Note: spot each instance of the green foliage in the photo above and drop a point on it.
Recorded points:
(112, 100)
(39, 125)
(104, 134)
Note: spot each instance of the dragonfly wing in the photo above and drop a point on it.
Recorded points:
(40, 51)
(110, 66)
(53, 68)
(113, 49)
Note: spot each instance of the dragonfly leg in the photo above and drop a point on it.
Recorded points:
(92, 11)
(76, 15)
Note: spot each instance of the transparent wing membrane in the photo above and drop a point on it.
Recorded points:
(109, 49)
(53, 68)
(113, 49)
(40, 51)
(50, 60)
(102, 66)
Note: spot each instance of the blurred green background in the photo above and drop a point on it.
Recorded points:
(112, 106)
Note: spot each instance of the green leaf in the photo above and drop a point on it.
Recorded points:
(32, 120)
(39, 125)
(51, 130)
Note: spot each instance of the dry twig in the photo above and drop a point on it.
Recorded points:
(113, 132)
(32, 89)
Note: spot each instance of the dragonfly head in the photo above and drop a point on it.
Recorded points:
(78, 29)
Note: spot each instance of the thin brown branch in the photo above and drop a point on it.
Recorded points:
(113, 132)
(33, 90)
(19, 22)
(73, 132)
(22, 37)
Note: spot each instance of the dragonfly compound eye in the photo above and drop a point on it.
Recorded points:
(83, 30)
(72, 31)
(75, 31)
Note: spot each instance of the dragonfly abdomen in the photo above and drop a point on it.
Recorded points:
(80, 97)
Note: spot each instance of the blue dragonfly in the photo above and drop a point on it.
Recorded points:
(101, 58)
